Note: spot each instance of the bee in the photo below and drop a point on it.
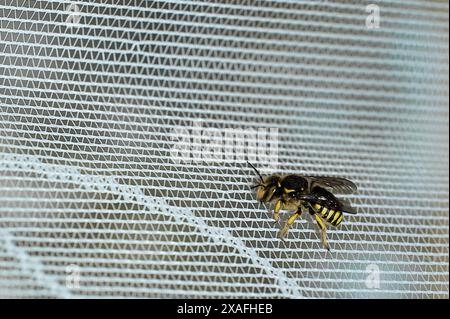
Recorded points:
(312, 194)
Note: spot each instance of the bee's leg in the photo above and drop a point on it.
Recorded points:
(276, 213)
(323, 230)
(310, 208)
(289, 223)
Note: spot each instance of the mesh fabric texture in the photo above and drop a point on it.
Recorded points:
(91, 94)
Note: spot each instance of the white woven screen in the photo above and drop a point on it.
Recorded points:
(101, 104)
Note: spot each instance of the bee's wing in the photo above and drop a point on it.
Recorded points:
(336, 184)
(347, 207)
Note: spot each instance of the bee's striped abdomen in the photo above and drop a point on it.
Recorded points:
(334, 217)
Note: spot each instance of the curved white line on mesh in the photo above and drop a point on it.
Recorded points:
(32, 265)
(287, 286)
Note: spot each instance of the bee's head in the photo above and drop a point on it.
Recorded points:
(267, 188)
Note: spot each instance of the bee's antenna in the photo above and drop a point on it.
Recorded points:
(257, 172)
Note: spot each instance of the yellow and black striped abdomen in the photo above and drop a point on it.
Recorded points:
(333, 217)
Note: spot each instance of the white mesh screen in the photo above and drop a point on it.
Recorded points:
(96, 96)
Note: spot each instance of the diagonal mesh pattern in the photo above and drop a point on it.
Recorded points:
(95, 96)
